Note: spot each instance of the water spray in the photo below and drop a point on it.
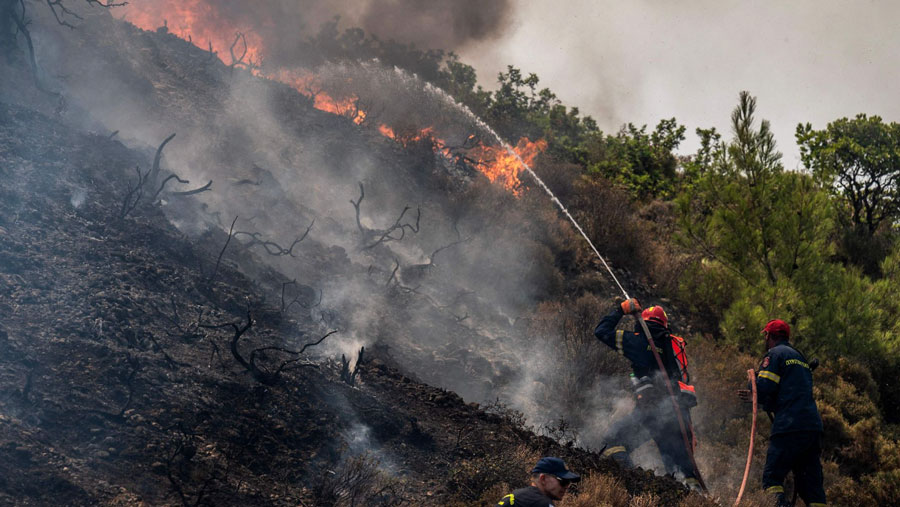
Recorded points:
(652, 346)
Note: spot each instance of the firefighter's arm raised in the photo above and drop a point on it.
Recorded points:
(606, 329)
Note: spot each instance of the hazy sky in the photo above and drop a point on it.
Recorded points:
(642, 60)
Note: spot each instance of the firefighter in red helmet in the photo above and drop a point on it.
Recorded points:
(653, 416)
(785, 386)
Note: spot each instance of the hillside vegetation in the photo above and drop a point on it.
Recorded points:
(122, 318)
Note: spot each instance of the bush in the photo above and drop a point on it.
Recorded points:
(358, 482)
(599, 490)
(470, 479)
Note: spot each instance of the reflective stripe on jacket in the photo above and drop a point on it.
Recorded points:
(784, 386)
(634, 346)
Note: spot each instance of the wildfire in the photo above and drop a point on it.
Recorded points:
(201, 23)
(197, 21)
(501, 166)
(387, 131)
(309, 85)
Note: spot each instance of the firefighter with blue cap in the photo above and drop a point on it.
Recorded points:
(550, 479)
(784, 389)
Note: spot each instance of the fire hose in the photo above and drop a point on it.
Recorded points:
(751, 376)
(662, 368)
(684, 434)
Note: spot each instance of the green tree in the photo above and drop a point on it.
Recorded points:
(645, 163)
(460, 81)
(859, 159)
(759, 231)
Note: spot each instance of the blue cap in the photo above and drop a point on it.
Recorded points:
(555, 467)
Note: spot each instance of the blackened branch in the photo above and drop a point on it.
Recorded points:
(362, 195)
(393, 272)
(283, 289)
(320, 340)
(154, 173)
(238, 61)
(397, 231)
(441, 249)
(134, 194)
(163, 184)
(287, 306)
(271, 247)
(219, 260)
(204, 188)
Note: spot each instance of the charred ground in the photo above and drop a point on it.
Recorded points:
(149, 354)
(116, 391)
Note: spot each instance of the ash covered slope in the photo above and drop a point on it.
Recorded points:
(112, 394)
(279, 165)
(451, 302)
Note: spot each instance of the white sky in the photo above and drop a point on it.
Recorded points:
(643, 60)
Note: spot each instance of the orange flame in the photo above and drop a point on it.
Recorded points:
(495, 162)
(501, 166)
(387, 131)
(308, 84)
(199, 22)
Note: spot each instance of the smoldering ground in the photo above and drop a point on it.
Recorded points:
(461, 318)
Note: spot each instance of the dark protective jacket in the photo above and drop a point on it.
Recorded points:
(633, 345)
(526, 497)
(784, 386)
(653, 411)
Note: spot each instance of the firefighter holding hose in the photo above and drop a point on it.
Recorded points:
(654, 415)
(784, 387)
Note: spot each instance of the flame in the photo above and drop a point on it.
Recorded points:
(197, 21)
(495, 162)
(308, 84)
(200, 22)
(387, 131)
(501, 166)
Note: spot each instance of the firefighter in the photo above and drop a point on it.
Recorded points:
(784, 387)
(549, 482)
(653, 416)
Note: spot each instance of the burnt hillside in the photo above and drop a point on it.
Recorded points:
(119, 385)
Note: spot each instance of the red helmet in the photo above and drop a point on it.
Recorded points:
(778, 327)
(656, 314)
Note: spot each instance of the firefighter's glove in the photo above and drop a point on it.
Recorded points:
(630, 305)
(745, 395)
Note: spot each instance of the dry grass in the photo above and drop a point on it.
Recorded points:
(599, 491)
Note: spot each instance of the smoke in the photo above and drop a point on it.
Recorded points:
(284, 26)
(646, 60)
(435, 23)
(458, 320)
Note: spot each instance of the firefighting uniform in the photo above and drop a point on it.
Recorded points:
(784, 387)
(526, 497)
(653, 416)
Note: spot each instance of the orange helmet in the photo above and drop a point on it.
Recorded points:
(656, 314)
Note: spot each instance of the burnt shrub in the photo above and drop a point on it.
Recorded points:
(471, 478)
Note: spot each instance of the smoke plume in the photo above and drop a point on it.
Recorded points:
(284, 26)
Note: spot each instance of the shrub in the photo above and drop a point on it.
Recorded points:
(599, 490)
(358, 482)
(471, 478)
